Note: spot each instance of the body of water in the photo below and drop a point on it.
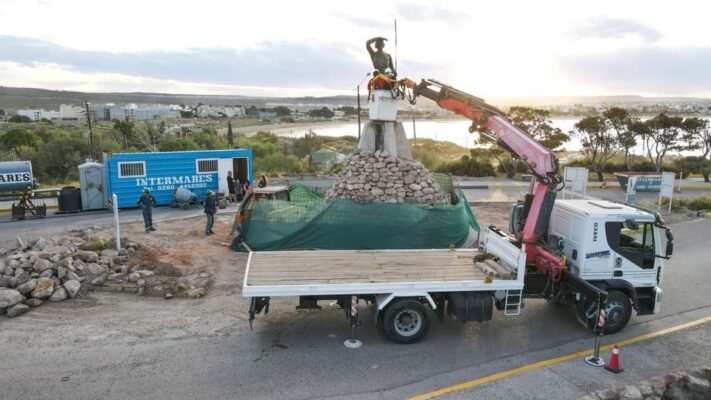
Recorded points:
(455, 131)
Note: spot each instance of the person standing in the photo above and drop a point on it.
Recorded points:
(210, 210)
(238, 190)
(262, 182)
(146, 202)
(231, 187)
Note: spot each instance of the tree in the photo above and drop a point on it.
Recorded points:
(698, 134)
(537, 124)
(619, 120)
(124, 131)
(281, 111)
(21, 119)
(178, 145)
(664, 136)
(17, 139)
(208, 139)
(149, 136)
(599, 144)
(230, 135)
(348, 110)
(324, 112)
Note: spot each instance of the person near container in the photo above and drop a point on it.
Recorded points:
(238, 190)
(231, 187)
(246, 188)
(262, 182)
(146, 203)
(210, 210)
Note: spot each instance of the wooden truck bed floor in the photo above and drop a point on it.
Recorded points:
(334, 267)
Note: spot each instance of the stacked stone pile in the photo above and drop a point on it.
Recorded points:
(693, 384)
(54, 270)
(380, 177)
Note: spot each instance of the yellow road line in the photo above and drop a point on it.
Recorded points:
(530, 367)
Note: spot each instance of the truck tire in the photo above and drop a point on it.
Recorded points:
(619, 311)
(406, 321)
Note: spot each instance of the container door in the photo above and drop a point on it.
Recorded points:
(223, 166)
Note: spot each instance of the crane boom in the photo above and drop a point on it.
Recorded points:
(493, 124)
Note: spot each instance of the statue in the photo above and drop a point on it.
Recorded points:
(381, 60)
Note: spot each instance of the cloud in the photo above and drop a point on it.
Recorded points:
(415, 12)
(648, 70)
(269, 64)
(364, 22)
(615, 28)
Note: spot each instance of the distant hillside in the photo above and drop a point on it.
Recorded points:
(15, 98)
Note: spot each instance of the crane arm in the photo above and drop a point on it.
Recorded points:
(493, 124)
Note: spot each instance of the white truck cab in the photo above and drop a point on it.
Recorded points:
(614, 247)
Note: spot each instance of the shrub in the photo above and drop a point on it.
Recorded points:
(694, 203)
(468, 167)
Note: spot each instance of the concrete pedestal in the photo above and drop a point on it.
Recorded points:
(388, 136)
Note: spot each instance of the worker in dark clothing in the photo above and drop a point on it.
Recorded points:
(238, 190)
(231, 187)
(210, 210)
(146, 202)
(262, 182)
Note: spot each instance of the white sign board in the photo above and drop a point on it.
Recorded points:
(631, 191)
(667, 189)
(576, 182)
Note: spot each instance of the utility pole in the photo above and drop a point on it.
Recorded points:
(414, 131)
(358, 97)
(91, 131)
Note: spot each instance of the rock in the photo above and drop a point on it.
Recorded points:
(117, 276)
(47, 273)
(16, 310)
(44, 288)
(21, 277)
(197, 293)
(99, 280)
(19, 243)
(61, 272)
(9, 297)
(203, 275)
(65, 262)
(41, 265)
(40, 244)
(591, 396)
(96, 269)
(123, 252)
(32, 302)
(145, 273)
(88, 256)
(4, 281)
(14, 263)
(630, 393)
(141, 283)
(134, 277)
(72, 287)
(109, 253)
(696, 384)
(607, 394)
(168, 295)
(58, 295)
(27, 287)
(71, 276)
(60, 251)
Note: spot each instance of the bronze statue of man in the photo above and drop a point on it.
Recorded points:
(381, 60)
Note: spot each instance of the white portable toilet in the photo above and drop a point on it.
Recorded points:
(93, 186)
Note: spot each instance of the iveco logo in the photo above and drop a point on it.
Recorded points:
(595, 227)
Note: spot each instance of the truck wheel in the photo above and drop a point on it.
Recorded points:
(619, 311)
(406, 321)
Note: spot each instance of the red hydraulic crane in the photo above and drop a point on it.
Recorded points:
(493, 124)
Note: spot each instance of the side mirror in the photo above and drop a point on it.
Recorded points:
(670, 241)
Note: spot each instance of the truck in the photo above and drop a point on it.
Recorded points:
(598, 256)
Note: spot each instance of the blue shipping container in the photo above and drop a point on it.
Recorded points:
(127, 174)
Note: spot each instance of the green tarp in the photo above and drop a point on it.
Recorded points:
(308, 221)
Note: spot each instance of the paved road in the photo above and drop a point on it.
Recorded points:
(106, 346)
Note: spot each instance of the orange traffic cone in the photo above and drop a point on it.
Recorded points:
(614, 364)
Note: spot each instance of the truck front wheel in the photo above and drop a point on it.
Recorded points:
(406, 321)
(619, 311)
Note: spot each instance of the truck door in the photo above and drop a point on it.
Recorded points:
(633, 249)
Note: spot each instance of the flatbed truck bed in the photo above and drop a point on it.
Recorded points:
(463, 283)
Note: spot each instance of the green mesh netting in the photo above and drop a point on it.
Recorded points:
(308, 221)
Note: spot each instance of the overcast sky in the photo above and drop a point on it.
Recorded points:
(301, 48)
